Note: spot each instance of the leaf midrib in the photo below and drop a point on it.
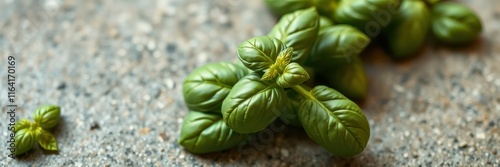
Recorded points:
(338, 119)
(251, 97)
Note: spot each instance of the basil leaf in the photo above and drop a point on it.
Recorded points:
(22, 124)
(454, 23)
(349, 78)
(207, 86)
(282, 7)
(260, 53)
(24, 140)
(293, 74)
(368, 15)
(334, 122)
(299, 31)
(253, 104)
(324, 22)
(48, 141)
(206, 132)
(47, 116)
(407, 33)
(335, 45)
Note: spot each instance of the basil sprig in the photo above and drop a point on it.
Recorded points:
(260, 97)
(27, 132)
(329, 54)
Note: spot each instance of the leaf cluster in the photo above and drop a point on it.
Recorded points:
(229, 103)
(401, 25)
(27, 133)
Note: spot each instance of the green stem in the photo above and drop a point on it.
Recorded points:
(299, 89)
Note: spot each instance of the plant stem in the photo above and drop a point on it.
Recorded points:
(299, 89)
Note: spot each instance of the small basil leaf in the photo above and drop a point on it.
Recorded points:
(299, 31)
(206, 132)
(48, 141)
(22, 124)
(207, 86)
(407, 33)
(454, 23)
(349, 78)
(335, 45)
(47, 116)
(260, 53)
(324, 22)
(282, 7)
(293, 74)
(368, 15)
(282, 61)
(24, 140)
(334, 122)
(253, 104)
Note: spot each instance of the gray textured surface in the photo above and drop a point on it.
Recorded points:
(116, 70)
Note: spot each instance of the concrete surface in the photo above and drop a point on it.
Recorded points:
(116, 69)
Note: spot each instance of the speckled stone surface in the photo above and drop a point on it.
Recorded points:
(116, 69)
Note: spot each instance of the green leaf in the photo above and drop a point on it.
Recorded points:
(260, 53)
(47, 116)
(299, 31)
(24, 140)
(293, 74)
(282, 7)
(348, 78)
(207, 86)
(22, 124)
(407, 33)
(336, 45)
(324, 22)
(253, 104)
(47, 141)
(454, 23)
(206, 132)
(334, 122)
(370, 16)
